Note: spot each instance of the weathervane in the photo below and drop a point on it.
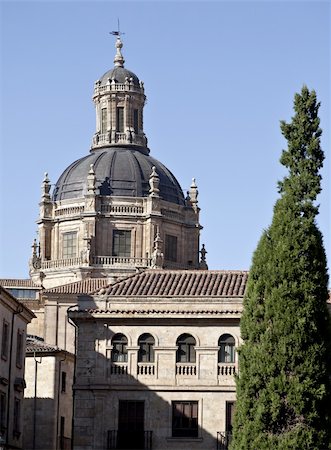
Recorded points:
(119, 60)
(118, 32)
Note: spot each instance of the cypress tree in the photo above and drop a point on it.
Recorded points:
(284, 388)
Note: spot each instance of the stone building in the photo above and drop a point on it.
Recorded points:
(14, 318)
(48, 396)
(113, 214)
(156, 361)
(116, 210)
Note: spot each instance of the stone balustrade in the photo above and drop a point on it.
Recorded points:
(69, 210)
(146, 369)
(57, 263)
(120, 261)
(186, 369)
(102, 261)
(118, 368)
(226, 369)
(117, 87)
(125, 210)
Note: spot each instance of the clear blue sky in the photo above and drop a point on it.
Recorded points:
(218, 76)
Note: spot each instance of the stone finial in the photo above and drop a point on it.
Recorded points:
(45, 188)
(193, 193)
(157, 255)
(35, 259)
(91, 178)
(119, 60)
(154, 182)
(203, 263)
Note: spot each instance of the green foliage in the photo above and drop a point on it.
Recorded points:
(284, 389)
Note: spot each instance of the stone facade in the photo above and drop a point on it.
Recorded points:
(48, 397)
(175, 304)
(14, 318)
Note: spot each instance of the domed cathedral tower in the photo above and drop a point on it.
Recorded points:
(116, 210)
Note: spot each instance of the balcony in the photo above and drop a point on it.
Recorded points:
(226, 369)
(119, 368)
(98, 262)
(186, 370)
(146, 369)
(126, 439)
(223, 440)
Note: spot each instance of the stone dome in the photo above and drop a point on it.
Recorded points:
(119, 74)
(119, 171)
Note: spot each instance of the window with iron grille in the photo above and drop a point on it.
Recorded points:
(146, 348)
(69, 249)
(185, 351)
(185, 419)
(170, 248)
(122, 243)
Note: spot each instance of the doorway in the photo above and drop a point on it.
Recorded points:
(131, 429)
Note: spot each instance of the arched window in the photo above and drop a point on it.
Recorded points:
(186, 351)
(119, 352)
(146, 348)
(226, 352)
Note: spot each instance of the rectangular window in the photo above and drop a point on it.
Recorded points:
(69, 245)
(4, 339)
(185, 419)
(19, 348)
(17, 418)
(122, 243)
(103, 120)
(120, 119)
(170, 248)
(3, 408)
(135, 121)
(229, 415)
(63, 381)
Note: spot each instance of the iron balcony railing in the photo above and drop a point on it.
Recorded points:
(223, 440)
(126, 439)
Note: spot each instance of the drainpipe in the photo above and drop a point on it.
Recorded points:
(74, 375)
(35, 398)
(18, 311)
(58, 401)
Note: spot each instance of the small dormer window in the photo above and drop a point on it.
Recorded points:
(120, 119)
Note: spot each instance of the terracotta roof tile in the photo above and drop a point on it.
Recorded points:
(86, 286)
(37, 344)
(13, 282)
(180, 283)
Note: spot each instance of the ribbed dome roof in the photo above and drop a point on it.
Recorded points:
(119, 171)
(119, 74)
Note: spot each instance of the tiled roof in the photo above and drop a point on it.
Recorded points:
(37, 344)
(80, 287)
(13, 282)
(180, 283)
